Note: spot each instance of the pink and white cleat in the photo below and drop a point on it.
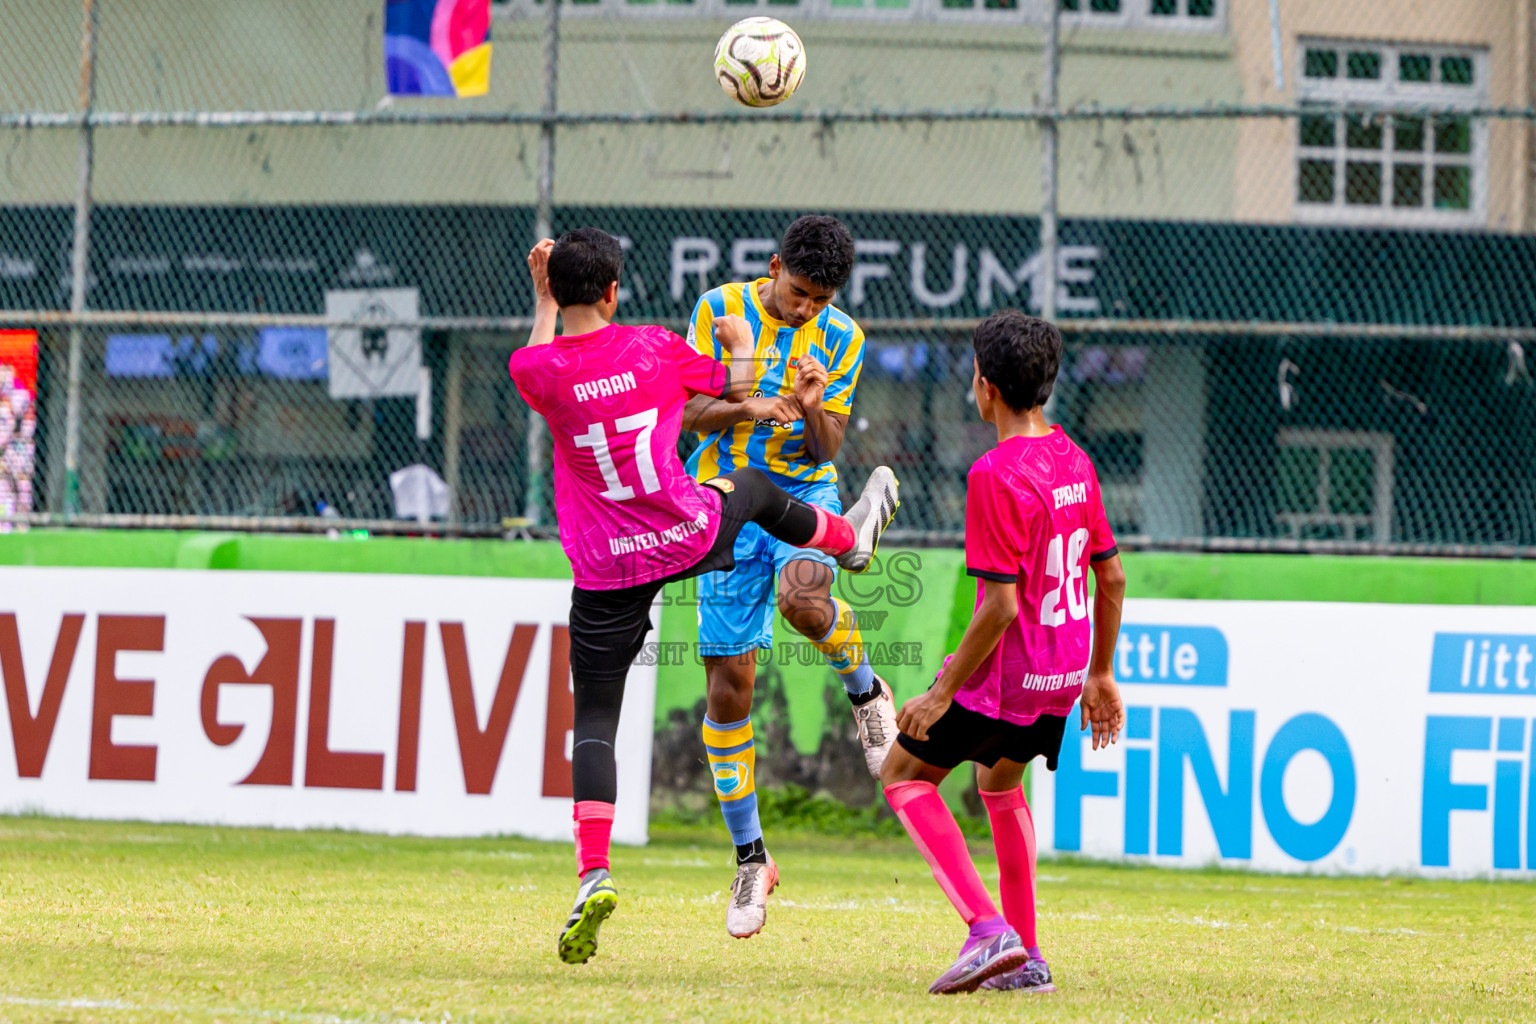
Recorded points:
(981, 960)
(1034, 976)
(876, 720)
(747, 912)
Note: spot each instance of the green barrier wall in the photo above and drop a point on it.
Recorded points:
(154, 549)
(913, 607)
(904, 607)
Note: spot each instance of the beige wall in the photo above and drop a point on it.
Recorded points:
(236, 54)
(1528, 47)
(232, 54)
(1265, 185)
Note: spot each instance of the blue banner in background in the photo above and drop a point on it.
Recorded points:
(1171, 655)
(1498, 663)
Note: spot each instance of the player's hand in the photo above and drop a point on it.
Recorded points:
(1102, 708)
(538, 266)
(810, 381)
(917, 714)
(735, 336)
(780, 410)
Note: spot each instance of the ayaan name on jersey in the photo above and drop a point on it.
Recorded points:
(605, 386)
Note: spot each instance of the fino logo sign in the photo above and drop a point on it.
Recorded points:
(1160, 740)
(1497, 664)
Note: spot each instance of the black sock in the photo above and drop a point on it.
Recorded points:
(752, 853)
(861, 699)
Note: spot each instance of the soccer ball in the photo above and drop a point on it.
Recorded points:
(759, 62)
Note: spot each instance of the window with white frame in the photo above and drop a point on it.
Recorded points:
(1091, 7)
(1334, 485)
(1391, 167)
(1164, 14)
(1196, 9)
(1144, 13)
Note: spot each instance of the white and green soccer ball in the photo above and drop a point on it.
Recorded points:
(759, 62)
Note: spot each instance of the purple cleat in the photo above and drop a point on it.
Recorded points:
(982, 959)
(1034, 976)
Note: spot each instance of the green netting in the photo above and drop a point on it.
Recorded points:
(1298, 305)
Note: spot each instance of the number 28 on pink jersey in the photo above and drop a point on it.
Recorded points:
(1034, 516)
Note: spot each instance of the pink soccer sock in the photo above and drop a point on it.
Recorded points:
(834, 534)
(594, 822)
(1013, 834)
(933, 829)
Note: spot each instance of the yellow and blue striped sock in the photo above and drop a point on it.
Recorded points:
(733, 766)
(843, 647)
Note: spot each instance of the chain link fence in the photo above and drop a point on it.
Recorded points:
(1295, 259)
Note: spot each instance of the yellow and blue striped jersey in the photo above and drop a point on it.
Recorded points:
(833, 338)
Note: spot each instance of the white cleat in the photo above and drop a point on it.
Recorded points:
(876, 720)
(870, 515)
(747, 912)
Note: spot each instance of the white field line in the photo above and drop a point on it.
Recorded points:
(1197, 921)
(209, 1011)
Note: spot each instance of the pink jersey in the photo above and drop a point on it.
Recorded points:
(1034, 516)
(628, 511)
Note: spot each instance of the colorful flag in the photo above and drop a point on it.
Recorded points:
(437, 47)
(18, 350)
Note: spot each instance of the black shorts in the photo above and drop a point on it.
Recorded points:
(608, 627)
(961, 734)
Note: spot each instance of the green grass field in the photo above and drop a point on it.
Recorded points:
(131, 922)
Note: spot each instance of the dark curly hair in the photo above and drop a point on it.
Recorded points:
(820, 249)
(582, 266)
(1020, 355)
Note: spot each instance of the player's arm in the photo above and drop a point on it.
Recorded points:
(826, 394)
(824, 434)
(707, 415)
(738, 349)
(999, 606)
(1102, 706)
(545, 311)
(735, 346)
(823, 429)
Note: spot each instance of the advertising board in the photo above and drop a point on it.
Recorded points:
(431, 705)
(1299, 736)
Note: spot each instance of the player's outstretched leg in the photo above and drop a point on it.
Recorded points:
(750, 496)
(870, 515)
(733, 765)
(991, 948)
(596, 898)
(874, 709)
(1013, 835)
(831, 625)
(876, 722)
(608, 628)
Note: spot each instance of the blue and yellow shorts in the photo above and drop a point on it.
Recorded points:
(736, 608)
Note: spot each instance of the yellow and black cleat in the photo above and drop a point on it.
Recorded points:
(595, 900)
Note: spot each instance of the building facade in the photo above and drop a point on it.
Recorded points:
(1454, 172)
